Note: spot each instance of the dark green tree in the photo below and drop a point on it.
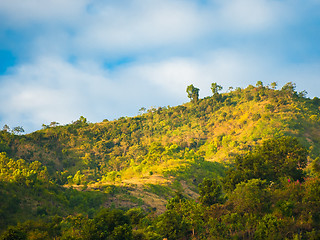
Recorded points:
(18, 130)
(311, 200)
(193, 93)
(172, 225)
(273, 85)
(110, 224)
(250, 197)
(259, 84)
(289, 88)
(269, 227)
(303, 94)
(54, 124)
(315, 166)
(13, 233)
(215, 88)
(6, 128)
(210, 192)
(136, 215)
(274, 159)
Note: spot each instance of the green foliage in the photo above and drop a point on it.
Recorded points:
(289, 88)
(13, 233)
(77, 178)
(259, 84)
(210, 192)
(21, 172)
(136, 215)
(18, 130)
(74, 170)
(269, 227)
(171, 225)
(193, 93)
(270, 107)
(215, 88)
(110, 224)
(273, 85)
(311, 200)
(315, 165)
(250, 197)
(160, 190)
(275, 159)
(120, 146)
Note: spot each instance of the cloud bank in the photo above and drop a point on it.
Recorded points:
(103, 59)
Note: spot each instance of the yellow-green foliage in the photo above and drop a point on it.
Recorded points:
(142, 161)
(18, 171)
(158, 141)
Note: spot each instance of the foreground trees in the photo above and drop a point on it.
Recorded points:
(274, 160)
(265, 196)
(210, 192)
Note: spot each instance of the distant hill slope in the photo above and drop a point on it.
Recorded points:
(167, 149)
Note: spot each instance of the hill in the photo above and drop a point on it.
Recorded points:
(145, 160)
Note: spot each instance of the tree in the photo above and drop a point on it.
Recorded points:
(315, 165)
(210, 192)
(136, 215)
(311, 199)
(193, 93)
(273, 85)
(54, 124)
(250, 197)
(13, 233)
(82, 121)
(289, 88)
(269, 227)
(285, 155)
(303, 94)
(109, 224)
(215, 88)
(172, 225)
(274, 159)
(18, 130)
(259, 84)
(142, 110)
(77, 179)
(6, 128)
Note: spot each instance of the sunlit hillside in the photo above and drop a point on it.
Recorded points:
(145, 160)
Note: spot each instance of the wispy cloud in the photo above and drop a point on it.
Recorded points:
(106, 59)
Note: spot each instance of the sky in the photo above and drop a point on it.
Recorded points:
(104, 59)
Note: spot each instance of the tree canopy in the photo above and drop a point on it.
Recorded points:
(193, 93)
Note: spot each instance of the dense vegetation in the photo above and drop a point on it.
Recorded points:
(237, 165)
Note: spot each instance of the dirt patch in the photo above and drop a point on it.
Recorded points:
(157, 203)
(153, 179)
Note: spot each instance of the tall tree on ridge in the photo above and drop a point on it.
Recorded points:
(193, 93)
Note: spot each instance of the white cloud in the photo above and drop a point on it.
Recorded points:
(251, 15)
(110, 29)
(48, 90)
(172, 44)
(140, 26)
(24, 13)
(51, 89)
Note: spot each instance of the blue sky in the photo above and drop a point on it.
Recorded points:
(61, 59)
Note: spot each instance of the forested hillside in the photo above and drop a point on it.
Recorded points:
(237, 165)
